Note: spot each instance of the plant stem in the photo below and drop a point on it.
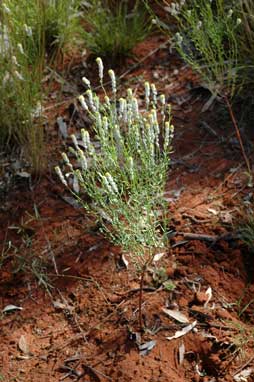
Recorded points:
(232, 116)
(141, 285)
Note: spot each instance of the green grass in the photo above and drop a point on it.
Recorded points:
(247, 233)
(113, 30)
(31, 32)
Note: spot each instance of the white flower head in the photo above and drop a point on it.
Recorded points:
(162, 99)
(147, 93)
(238, 21)
(86, 82)
(28, 30)
(20, 48)
(74, 140)
(178, 38)
(100, 67)
(173, 9)
(19, 75)
(122, 105)
(85, 138)
(83, 102)
(154, 93)
(90, 98)
(6, 9)
(107, 100)
(135, 106)
(79, 178)
(199, 24)
(82, 160)
(61, 176)
(113, 80)
(129, 93)
(65, 158)
(14, 61)
(112, 182)
(230, 13)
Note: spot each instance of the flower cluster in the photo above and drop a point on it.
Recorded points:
(175, 8)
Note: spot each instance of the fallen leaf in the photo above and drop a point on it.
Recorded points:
(59, 305)
(146, 347)
(23, 174)
(23, 345)
(183, 332)
(178, 316)
(213, 211)
(10, 308)
(125, 261)
(158, 256)
(181, 353)
(209, 296)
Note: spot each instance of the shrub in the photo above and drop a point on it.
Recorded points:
(246, 35)
(207, 40)
(113, 29)
(122, 171)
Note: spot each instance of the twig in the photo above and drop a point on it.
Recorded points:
(244, 365)
(141, 286)
(209, 238)
(197, 236)
(232, 116)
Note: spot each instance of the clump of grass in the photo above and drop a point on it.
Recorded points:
(20, 91)
(53, 25)
(123, 169)
(61, 24)
(29, 31)
(113, 29)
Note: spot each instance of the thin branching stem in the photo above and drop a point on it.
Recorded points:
(238, 134)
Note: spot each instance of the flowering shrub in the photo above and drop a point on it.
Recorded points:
(122, 169)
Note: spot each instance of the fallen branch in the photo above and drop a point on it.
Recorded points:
(210, 238)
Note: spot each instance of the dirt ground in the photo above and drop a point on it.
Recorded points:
(76, 315)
